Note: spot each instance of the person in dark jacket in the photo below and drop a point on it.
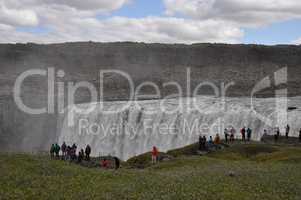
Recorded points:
(226, 133)
(64, 151)
(204, 142)
(73, 152)
(287, 131)
(249, 134)
(81, 155)
(300, 135)
(52, 151)
(57, 149)
(232, 134)
(68, 152)
(200, 142)
(243, 134)
(117, 163)
(88, 152)
(277, 135)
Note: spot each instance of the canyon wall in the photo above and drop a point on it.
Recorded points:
(245, 65)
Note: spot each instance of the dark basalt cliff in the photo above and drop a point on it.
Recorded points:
(245, 65)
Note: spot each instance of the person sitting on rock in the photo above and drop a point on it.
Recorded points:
(105, 163)
(210, 142)
(217, 140)
(81, 155)
(265, 132)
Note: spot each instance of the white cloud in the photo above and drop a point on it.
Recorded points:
(17, 17)
(150, 29)
(103, 5)
(298, 41)
(100, 5)
(28, 12)
(76, 20)
(245, 13)
(71, 21)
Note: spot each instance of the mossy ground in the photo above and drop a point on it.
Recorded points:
(242, 171)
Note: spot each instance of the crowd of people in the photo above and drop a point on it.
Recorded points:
(246, 135)
(278, 133)
(69, 153)
(229, 135)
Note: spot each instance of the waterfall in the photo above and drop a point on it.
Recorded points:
(112, 128)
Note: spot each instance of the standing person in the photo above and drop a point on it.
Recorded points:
(200, 142)
(57, 149)
(226, 135)
(73, 152)
(117, 163)
(52, 151)
(210, 142)
(74, 146)
(88, 152)
(278, 132)
(232, 133)
(249, 134)
(68, 152)
(300, 135)
(204, 142)
(287, 130)
(64, 151)
(155, 155)
(243, 134)
(277, 135)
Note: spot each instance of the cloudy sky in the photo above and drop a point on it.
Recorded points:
(166, 21)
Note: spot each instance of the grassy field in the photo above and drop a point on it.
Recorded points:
(240, 172)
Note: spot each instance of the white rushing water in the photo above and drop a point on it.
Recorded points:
(144, 124)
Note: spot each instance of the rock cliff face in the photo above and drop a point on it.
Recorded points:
(245, 65)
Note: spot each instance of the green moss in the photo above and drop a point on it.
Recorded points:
(257, 172)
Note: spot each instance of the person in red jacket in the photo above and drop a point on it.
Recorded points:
(155, 153)
(105, 163)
